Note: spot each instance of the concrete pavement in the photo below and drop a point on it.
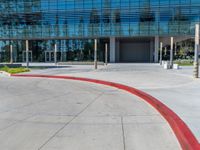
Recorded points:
(175, 88)
(51, 114)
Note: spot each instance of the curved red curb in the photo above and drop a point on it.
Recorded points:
(186, 138)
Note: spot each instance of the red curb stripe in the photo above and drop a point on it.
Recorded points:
(184, 135)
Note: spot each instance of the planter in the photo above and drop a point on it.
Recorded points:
(11, 65)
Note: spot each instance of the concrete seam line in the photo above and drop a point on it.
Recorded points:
(184, 135)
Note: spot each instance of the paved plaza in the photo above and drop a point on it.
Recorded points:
(175, 88)
(57, 114)
(51, 114)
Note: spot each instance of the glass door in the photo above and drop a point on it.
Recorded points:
(49, 56)
(30, 55)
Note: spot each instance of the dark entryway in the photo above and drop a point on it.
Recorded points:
(135, 51)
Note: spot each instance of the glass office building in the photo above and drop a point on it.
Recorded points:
(131, 28)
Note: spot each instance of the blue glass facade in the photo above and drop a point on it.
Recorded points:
(96, 18)
(60, 21)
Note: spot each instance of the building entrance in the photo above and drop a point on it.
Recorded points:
(49, 56)
(30, 56)
(135, 50)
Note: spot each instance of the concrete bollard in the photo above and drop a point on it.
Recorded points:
(166, 65)
(163, 62)
(175, 66)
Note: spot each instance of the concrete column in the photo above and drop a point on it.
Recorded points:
(161, 45)
(152, 51)
(117, 51)
(196, 52)
(0, 55)
(171, 52)
(156, 49)
(106, 53)
(175, 49)
(55, 54)
(112, 49)
(95, 53)
(11, 54)
(61, 56)
(27, 54)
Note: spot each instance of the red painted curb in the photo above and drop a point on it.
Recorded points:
(186, 138)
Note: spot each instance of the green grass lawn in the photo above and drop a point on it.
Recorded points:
(184, 62)
(14, 70)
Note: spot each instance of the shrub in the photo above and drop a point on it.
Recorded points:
(14, 70)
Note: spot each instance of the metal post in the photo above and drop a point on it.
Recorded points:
(55, 54)
(95, 53)
(27, 54)
(165, 51)
(171, 53)
(175, 49)
(161, 45)
(11, 54)
(106, 54)
(196, 59)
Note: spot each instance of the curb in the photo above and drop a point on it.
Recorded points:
(5, 73)
(184, 135)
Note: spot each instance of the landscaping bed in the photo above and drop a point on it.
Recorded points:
(184, 62)
(14, 70)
